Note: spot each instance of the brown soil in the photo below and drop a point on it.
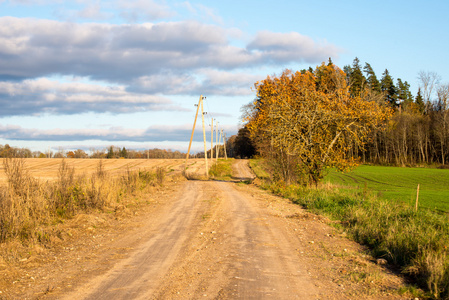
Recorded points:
(199, 239)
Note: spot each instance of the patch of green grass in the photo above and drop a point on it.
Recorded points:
(221, 170)
(396, 183)
(259, 168)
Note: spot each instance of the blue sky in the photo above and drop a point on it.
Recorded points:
(90, 74)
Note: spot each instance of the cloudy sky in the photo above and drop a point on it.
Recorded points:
(89, 74)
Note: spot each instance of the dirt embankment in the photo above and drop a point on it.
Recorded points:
(209, 240)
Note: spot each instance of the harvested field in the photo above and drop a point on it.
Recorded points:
(47, 168)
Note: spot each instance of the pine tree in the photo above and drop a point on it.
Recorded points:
(388, 88)
(357, 80)
(348, 70)
(124, 153)
(111, 152)
(403, 91)
(419, 100)
(372, 80)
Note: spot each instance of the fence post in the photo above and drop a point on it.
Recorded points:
(417, 197)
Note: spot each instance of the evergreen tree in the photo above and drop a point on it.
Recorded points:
(357, 80)
(111, 152)
(372, 80)
(348, 70)
(389, 89)
(403, 91)
(419, 100)
(124, 153)
(243, 145)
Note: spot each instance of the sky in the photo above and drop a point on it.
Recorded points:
(88, 74)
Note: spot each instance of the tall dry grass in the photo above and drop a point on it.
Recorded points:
(27, 204)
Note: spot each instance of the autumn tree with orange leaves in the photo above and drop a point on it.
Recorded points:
(306, 122)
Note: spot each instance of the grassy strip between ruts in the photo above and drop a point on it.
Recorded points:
(416, 242)
(221, 169)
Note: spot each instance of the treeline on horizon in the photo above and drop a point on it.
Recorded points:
(113, 152)
(109, 153)
(418, 130)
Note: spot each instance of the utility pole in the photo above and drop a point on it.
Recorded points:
(204, 137)
(224, 144)
(216, 141)
(193, 130)
(212, 140)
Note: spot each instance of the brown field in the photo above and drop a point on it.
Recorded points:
(47, 168)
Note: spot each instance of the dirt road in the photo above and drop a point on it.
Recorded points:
(251, 257)
(222, 240)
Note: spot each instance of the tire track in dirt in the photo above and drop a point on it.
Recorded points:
(211, 243)
(242, 170)
(265, 261)
(137, 276)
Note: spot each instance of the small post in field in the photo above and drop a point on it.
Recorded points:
(417, 197)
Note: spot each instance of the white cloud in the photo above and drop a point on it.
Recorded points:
(287, 47)
(92, 11)
(113, 133)
(42, 95)
(139, 61)
(36, 48)
(147, 10)
(206, 81)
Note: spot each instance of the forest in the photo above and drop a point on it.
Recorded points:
(310, 120)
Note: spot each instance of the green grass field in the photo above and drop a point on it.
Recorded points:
(395, 183)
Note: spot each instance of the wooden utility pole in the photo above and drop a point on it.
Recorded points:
(212, 140)
(204, 138)
(216, 141)
(193, 130)
(224, 143)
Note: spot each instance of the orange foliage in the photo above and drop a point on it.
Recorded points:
(311, 120)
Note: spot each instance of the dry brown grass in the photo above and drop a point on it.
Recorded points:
(28, 204)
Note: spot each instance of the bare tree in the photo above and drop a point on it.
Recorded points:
(441, 124)
(428, 80)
